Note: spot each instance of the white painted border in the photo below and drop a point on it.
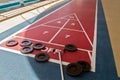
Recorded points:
(93, 62)
(52, 43)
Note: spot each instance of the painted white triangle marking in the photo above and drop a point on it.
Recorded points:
(73, 24)
(67, 36)
(59, 22)
(45, 32)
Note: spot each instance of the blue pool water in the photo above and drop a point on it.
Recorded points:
(14, 4)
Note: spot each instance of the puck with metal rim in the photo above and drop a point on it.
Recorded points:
(25, 43)
(11, 43)
(74, 69)
(86, 67)
(42, 57)
(26, 50)
(70, 48)
(38, 46)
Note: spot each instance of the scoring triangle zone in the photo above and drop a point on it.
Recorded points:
(71, 17)
(59, 22)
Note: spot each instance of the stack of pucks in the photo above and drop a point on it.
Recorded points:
(74, 69)
(26, 46)
(70, 48)
(38, 46)
(11, 43)
(42, 57)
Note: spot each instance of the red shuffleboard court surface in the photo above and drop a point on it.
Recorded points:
(73, 23)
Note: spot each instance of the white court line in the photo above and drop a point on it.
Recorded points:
(53, 20)
(84, 30)
(69, 16)
(52, 43)
(95, 40)
(70, 19)
(30, 28)
(90, 55)
(40, 25)
(61, 67)
(64, 28)
(45, 24)
(61, 18)
(58, 31)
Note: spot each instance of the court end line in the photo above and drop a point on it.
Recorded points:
(63, 28)
(52, 43)
(52, 21)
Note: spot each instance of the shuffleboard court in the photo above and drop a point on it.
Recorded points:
(71, 24)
